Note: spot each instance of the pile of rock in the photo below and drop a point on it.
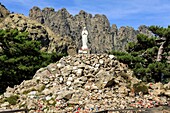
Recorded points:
(85, 83)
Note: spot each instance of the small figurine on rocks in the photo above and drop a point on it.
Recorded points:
(84, 49)
(84, 38)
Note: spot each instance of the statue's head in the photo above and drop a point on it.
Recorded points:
(84, 28)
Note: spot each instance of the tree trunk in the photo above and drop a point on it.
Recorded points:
(160, 51)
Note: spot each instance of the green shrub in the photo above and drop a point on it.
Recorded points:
(21, 57)
(12, 99)
(141, 56)
(140, 87)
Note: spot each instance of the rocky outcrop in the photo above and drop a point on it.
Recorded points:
(61, 22)
(144, 30)
(123, 36)
(63, 30)
(102, 38)
(50, 41)
(3, 12)
(85, 83)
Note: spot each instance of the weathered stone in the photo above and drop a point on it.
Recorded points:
(48, 98)
(5, 104)
(167, 93)
(144, 30)
(79, 72)
(46, 92)
(105, 79)
(83, 78)
(101, 61)
(81, 66)
(61, 79)
(65, 95)
(124, 35)
(158, 92)
(60, 65)
(68, 83)
(73, 101)
(9, 89)
(123, 90)
(3, 12)
(72, 50)
(70, 79)
(157, 86)
(31, 104)
(167, 86)
(87, 86)
(111, 56)
(8, 94)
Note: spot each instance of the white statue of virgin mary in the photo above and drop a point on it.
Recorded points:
(84, 38)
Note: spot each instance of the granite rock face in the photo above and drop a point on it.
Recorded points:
(60, 31)
(144, 30)
(101, 39)
(63, 23)
(50, 41)
(3, 12)
(84, 83)
(123, 36)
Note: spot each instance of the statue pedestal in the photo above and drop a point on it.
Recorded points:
(84, 51)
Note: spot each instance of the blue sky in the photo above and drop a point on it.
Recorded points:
(120, 12)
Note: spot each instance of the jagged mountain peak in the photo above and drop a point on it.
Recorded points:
(36, 8)
(48, 9)
(82, 12)
(102, 36)
(50, 41)
(63, 23)
(3, 12)
(145, 30)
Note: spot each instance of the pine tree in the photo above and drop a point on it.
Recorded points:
(20, 57)
(144, 56)
(164, 38)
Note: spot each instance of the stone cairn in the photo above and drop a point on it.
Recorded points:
(84, 83)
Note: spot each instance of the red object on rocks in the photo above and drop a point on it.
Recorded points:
(78, 109)
(40, 106)
(150, 84)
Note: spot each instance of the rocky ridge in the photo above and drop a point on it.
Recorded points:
(85, 83)
(60, 31)
(63, 23)
(102, 37)
(3, 12)
(49, 40)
